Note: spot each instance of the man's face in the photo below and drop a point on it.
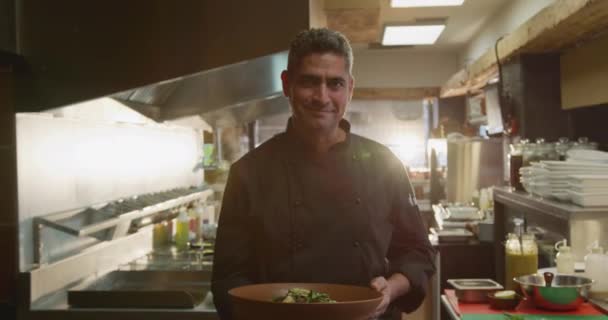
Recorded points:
(318, 90)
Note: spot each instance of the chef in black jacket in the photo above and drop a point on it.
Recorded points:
(318, 203)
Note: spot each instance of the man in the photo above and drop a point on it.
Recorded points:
(317, 203)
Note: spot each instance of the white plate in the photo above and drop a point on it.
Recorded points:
(563, 196)
(589, 181)
(589, 199)
(573, 165)
(582, 189)
(574, 171)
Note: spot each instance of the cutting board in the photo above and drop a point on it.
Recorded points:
(478, 311)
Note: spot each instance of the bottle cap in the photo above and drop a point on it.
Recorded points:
(561, 244)
(183, 214)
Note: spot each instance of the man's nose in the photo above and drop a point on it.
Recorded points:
(321, 94)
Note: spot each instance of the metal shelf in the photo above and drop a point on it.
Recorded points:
(525, 201)
(114, 218)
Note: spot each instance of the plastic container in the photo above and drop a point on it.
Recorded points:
(596, 263)
(564, 258)
(182, 230)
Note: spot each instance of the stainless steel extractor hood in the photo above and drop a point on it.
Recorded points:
(225, 96)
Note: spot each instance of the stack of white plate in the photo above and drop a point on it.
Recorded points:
(541, 181)
(589, 190)
(553, 179)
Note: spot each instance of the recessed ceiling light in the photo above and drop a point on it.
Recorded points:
(411, 34)
(425, 3)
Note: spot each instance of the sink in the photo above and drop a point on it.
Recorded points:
(143, 289)
(171, 260)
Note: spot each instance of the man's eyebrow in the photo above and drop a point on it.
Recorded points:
(309, 76)
(341, 79)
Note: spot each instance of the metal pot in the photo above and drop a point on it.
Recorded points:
(561, 292)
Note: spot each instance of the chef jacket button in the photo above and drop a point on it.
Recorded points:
(356, 244)
(358, 200)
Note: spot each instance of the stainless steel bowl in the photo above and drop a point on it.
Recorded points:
(564, 292)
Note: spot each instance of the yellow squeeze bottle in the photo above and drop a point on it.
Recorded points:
(182, 230)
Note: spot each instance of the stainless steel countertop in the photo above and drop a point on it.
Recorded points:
(55, 305)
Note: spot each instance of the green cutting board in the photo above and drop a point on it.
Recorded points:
(532, 317)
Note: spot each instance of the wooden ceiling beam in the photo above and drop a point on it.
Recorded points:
(404, 94)
(563, 24)
(360, 25)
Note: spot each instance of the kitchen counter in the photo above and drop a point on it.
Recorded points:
(55, 307)
(475, 311)
(161, 267)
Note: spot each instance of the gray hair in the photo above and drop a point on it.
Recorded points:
(320, 40)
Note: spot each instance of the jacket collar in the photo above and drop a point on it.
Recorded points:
(290, 131)
(297, 148)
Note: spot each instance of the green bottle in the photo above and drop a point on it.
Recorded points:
(182, 229)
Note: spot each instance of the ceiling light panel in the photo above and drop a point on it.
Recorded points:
(411, 35)
(425, 3)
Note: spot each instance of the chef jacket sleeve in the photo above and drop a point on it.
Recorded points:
(232, 263)
(410, 252)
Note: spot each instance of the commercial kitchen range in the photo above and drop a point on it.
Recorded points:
(124, 275)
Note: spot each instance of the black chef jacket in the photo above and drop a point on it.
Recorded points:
(344, 218)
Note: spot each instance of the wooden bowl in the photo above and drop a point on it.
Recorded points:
(255, 302)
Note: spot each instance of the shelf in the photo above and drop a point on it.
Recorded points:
(114, 218)
(525, 201)
(560, 25)
(89, 221)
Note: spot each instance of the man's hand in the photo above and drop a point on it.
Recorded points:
(380, 284)
(396, 286)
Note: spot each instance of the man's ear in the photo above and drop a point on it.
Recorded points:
(351, 86)
(285, 82)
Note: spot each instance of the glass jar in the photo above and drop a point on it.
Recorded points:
(585, 144)
(540, 150)
(527, 152)
(561, 148)
(521, 258)
(515, 163)
(545, 150)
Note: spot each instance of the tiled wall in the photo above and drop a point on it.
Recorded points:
(71, 163)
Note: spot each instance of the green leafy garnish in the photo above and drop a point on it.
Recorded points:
(299, 295)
